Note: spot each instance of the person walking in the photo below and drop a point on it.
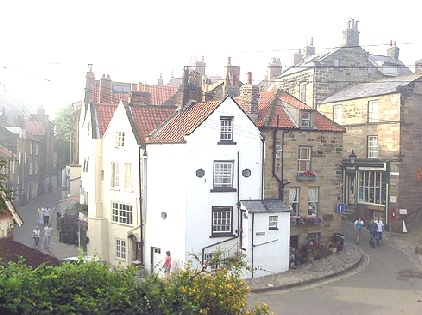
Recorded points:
(380, 228)
(48, 231)
(47, 214)
(358, 227)
(167, 265)
(40, 215)
(373, 228)
(36, 236)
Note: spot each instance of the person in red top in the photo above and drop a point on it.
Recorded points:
(167, 265)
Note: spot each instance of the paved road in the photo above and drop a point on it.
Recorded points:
(389, 282)
(28, 213)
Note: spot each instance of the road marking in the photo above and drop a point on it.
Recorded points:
(408, 255)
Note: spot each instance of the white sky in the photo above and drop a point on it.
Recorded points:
(46, 45)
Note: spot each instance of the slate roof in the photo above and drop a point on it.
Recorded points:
(11, 250)
(265, 206)
(146, 118)
(272, 105)
(184, 123)
(376, 88)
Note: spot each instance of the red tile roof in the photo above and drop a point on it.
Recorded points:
(4, 153)
(11, 251)
(148, 118)
(104, 113)
(185, 123)
(272, 112)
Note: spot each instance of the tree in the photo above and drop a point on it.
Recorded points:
(63, 133)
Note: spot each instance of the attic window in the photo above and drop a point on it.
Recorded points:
(306, 119)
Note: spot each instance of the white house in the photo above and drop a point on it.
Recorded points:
(112, 185)
(204, 167)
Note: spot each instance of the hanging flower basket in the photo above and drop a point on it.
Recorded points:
(306, 175)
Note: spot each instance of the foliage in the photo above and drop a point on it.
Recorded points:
(63, 133)
(91, 288)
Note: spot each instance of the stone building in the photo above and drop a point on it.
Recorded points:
(315, 76)
(302, 164)
(382, 122)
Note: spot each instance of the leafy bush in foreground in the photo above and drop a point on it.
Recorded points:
(90, 288)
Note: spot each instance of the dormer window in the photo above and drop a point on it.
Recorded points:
(306, 119)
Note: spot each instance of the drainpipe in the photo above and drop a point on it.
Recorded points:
(262, 166)
(238, 203)
(144, 158)
(252, 247)
(280, 181)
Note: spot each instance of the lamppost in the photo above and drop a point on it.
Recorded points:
(352, 157)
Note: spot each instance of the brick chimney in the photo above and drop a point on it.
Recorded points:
(297, 57)
(309, 50)
(393, 51)
(249, 98)
(105, 89)
(351, 34)
(274, 68)
(231, 75)
(160, 80)
(89, 85)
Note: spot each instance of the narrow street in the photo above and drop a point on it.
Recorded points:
(29, 214)
(389, 282)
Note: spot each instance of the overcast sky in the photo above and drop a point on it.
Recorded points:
(47, 45)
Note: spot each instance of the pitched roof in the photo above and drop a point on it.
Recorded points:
(185, 122)
(6, 154)
(272, 113)
(147, 118)
(102, 113)
(11, 250)
(265, 206)
(376, 88)
(35, 127)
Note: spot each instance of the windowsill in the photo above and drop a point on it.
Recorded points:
(226, 142)
(272, 229)
(222, 235)
(223, 189)
(115, 188)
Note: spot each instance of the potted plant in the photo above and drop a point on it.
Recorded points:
(333, 247)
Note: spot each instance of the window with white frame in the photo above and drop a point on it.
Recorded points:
(36, 149)
(372, 187)
(31, 148)
(294, 197)
(122, 213)
(223, 174)
(120, 139)
(305, 119)
(313, 197)
(337, 114)
(372, 146)
(373, 111)
(115, 174)
(304, 159)
(128, 175)
(273, 222)
(222, 221)
(120, 248)
(226, 129)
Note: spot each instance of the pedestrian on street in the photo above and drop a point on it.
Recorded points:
(167, 266)
(358, 227)
(380, 226)
(48, 231)
(373, 228)
(47, 214)
(40, 215)
(36, 236)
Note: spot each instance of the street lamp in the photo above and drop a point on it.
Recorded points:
(352, 157)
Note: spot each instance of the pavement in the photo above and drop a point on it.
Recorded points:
(350, 257)
(28, 213)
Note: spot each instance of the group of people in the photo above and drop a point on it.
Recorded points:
(44, 218)
(375, 228)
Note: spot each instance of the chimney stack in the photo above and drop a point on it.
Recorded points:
(418, 67)
(249, 98)
(310, 49)
(393, 51)
(351, 34)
